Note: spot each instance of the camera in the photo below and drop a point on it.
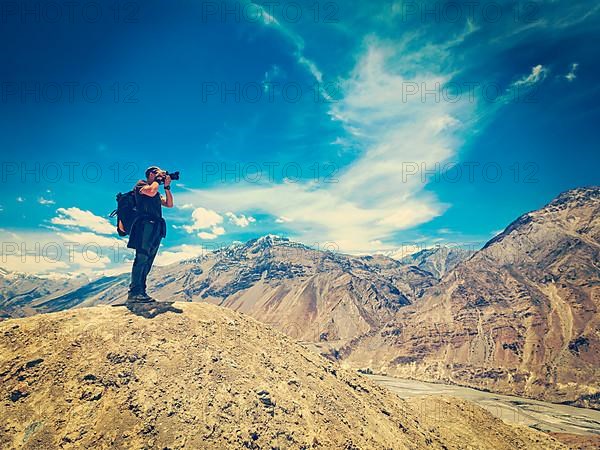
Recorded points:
(173, 175)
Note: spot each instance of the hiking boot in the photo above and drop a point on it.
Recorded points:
(147, 297)
(139, 298)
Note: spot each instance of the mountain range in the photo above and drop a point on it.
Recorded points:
(518, 316)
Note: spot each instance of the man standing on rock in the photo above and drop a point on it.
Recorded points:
(148, 228)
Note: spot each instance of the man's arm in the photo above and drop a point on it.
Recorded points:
(168, 201)
(150, 189)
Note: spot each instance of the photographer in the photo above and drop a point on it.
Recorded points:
(148, 228)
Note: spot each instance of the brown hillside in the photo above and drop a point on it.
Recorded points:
(202, 377)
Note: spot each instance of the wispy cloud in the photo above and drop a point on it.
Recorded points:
(538, 73)
(293, 37)
(572, 72)
(45, 201)
(371, 200)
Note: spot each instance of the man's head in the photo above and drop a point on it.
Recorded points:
(151, 173)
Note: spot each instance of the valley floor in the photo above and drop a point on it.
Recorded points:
(543, 416)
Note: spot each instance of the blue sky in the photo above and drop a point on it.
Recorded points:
(362, 127)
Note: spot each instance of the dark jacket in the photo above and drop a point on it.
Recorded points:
(149, 210)
(135, 235)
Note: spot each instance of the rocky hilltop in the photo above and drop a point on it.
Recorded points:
(520, 316)
(203, 377)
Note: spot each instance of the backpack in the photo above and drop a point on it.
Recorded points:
(126, 212)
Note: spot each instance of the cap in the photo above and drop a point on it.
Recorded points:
(151, 169)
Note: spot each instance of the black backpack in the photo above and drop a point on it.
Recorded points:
(126, 212)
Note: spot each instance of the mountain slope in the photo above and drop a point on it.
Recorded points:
(309, 294)
(438, 260)
(520, 316)
(19, 291)
(205, 377)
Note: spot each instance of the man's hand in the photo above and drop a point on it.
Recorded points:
(168, 200)
(160, 176)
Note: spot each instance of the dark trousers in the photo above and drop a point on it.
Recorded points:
(144, 256)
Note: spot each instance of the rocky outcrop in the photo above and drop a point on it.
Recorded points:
(201, 376)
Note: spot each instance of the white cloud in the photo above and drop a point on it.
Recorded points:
(571, 75)
(205, 235)
(31, 264)
(202, 219)
(241, 220)
(44, 201)
(75, 217)
(218, 230)
(20, 199)
(180, 253)
(372, 200)
(270, 21)
(402, 251)
(85, 238)
(538, 73)
(69, 253)
(89, 259)
(186, 206)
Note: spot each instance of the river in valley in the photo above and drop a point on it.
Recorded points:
(543, 416)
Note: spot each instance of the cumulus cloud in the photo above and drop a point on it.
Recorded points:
(241, 220)
(89, 259)
(32, 265)
(203, 218)
(75, 217)
(88, 239)
(54, 252)
(20, 199)
(206, 223)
